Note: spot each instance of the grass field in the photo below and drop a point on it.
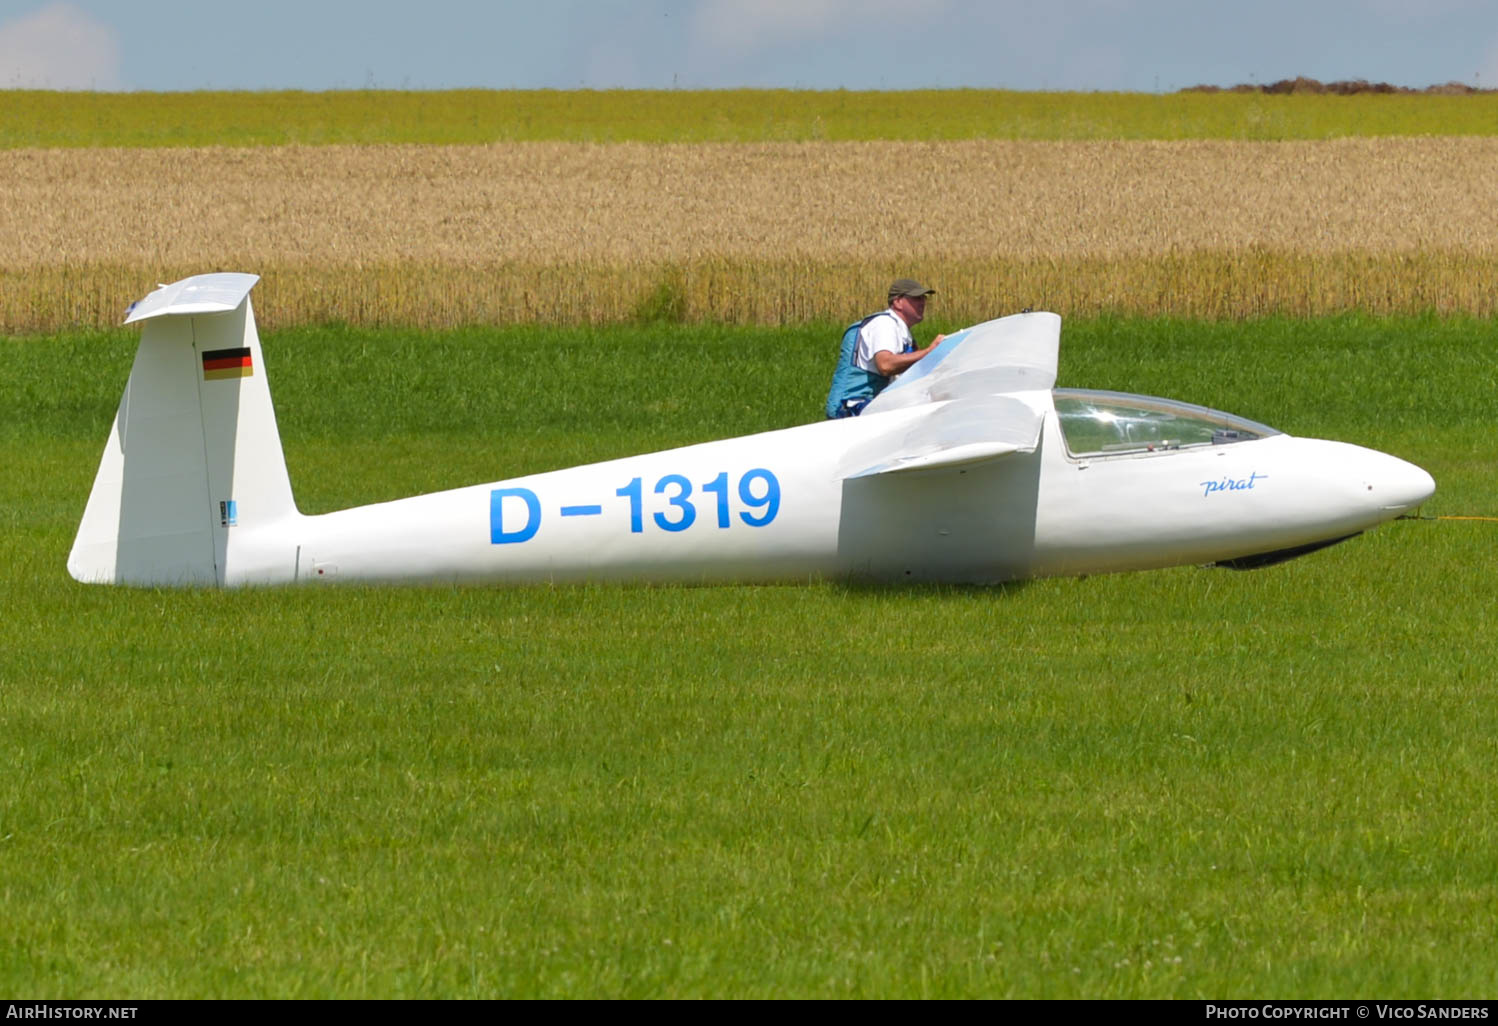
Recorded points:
(466, 117)
(1185, 783)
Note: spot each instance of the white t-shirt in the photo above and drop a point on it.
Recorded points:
(886, 333)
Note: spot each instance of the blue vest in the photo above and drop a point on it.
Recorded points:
(852, 386)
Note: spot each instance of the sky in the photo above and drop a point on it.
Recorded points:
(1084, 45)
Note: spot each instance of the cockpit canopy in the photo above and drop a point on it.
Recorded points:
(1097, 423)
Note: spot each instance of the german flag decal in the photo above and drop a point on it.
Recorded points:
(227, 363)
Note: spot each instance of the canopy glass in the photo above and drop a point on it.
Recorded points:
(1109, 423)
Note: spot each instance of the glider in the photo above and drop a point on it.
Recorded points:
(971, 467)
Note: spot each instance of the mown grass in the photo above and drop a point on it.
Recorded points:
(73, 119)
(1184, 783)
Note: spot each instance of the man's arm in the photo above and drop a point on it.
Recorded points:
(889, 364)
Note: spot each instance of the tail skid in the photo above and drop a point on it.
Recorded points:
(193, 467)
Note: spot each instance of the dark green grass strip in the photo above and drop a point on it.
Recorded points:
(1176, 784)
(64, 119)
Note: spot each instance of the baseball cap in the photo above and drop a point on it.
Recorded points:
(908, 287)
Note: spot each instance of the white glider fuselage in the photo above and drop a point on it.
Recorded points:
(970, 468)
(1039, 514)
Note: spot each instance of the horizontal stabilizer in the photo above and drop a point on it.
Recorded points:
(953, 434)
(1011, 354)
(200, 294)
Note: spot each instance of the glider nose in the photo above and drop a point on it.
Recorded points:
(1397, 486)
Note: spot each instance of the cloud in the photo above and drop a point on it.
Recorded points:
(58, 47)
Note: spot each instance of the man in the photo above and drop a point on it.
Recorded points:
(878, 348)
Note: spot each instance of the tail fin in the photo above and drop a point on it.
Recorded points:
(194, 456)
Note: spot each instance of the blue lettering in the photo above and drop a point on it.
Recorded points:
(497, 533)
(679, 500)
(632, 492)
(1227, 484)
(758, 493)
(719, 487)
(769, 502)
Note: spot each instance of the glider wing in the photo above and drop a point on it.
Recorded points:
(1010, 354)
(952, 434)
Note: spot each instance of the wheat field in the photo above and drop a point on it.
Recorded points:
(755, 232)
